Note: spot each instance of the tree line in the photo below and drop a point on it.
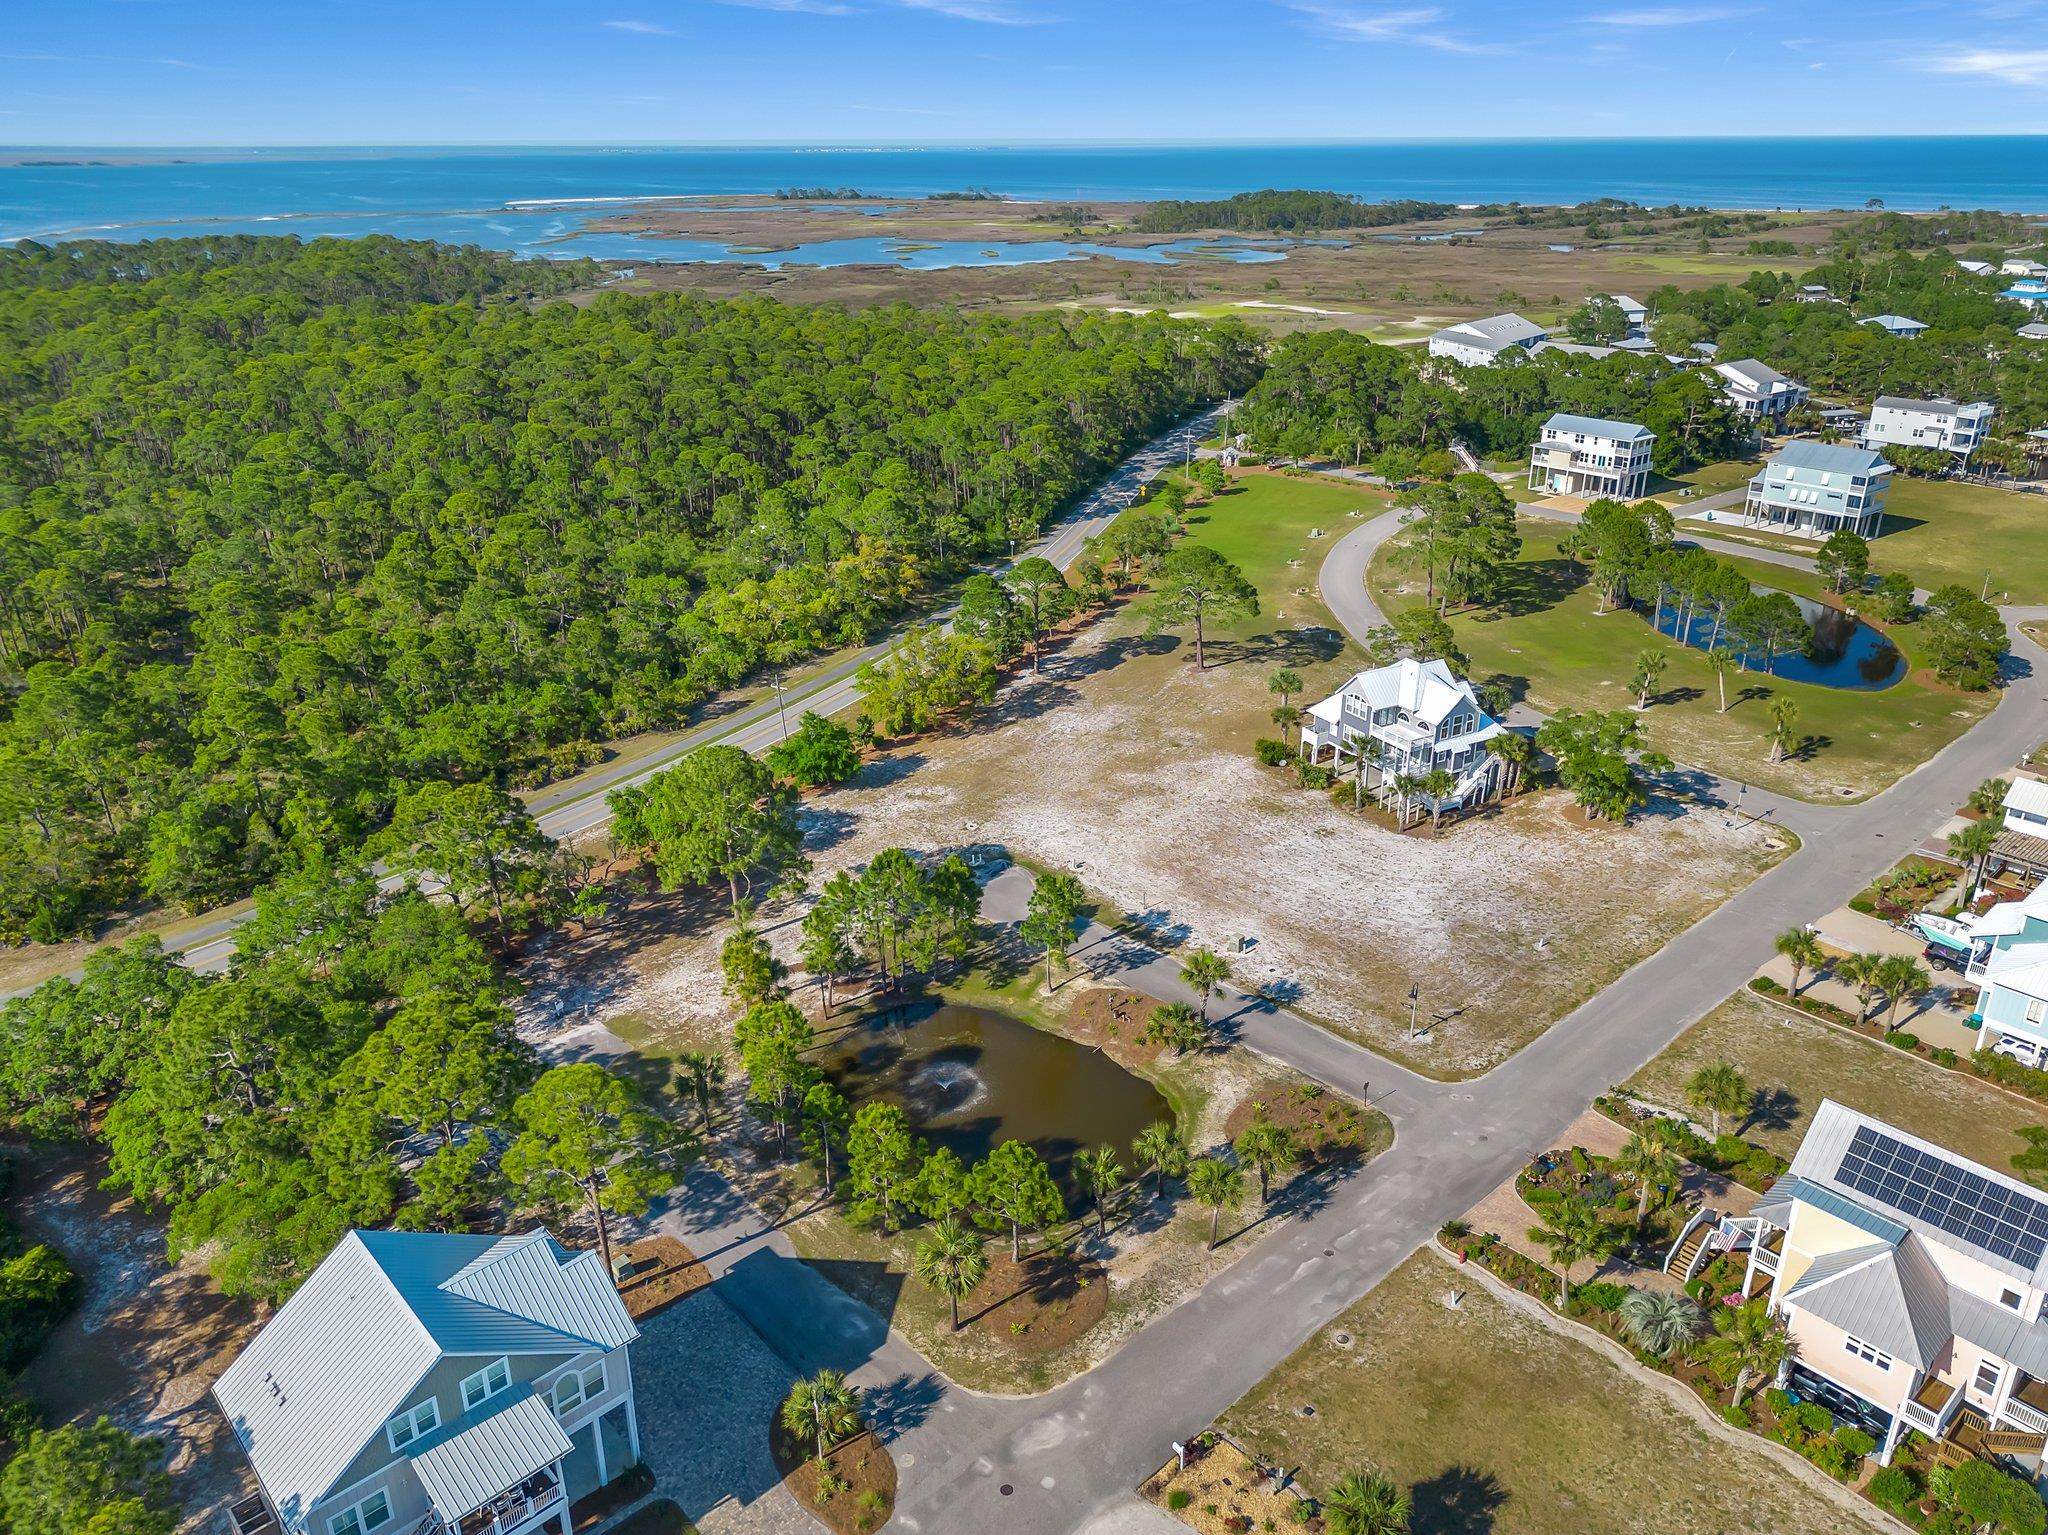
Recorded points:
(287, 530)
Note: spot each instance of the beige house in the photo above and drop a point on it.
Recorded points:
(1912, 1283)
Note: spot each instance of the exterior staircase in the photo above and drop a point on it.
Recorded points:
(1971, 1437)
(1684, 1259)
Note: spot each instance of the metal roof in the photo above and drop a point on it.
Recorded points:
(1888, 1296)
(1895, 322)
(1829, 458)
(318, 1382)
(1751, 372)
(2000, 1331)
(1597, 426)
(482, 1454)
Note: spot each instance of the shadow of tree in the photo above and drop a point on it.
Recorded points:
(1770, 1108)
(1461, 1500)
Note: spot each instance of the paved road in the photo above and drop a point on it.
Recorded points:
(1070, 1457)
(572, 811)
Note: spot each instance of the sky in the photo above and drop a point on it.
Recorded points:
(334, 72)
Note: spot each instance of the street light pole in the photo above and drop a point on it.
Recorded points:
(1414, 997)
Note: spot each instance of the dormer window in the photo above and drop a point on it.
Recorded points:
(479, 1388)
(413, 1423)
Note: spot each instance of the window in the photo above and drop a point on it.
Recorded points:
(577, 1387)
(1988, 1372)
(373, 1513)
(2037, 1011)
(485, 1384)
(1867, 1353)
(2012, 1300)
(408, 1426)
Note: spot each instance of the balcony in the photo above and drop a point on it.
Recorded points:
(512, 1512)
(2026, 1410)
(1930, 1408)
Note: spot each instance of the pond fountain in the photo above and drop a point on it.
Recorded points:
(1842, 651)
(969, 1078)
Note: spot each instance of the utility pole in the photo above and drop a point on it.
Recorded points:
(1414, 998)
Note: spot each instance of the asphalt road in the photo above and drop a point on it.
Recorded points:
(573, 811)
(1067, 1460)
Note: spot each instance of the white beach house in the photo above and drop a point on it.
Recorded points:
(421, 1383)
(1895, 324)
(1911, 1281)
(1757, 392)
(1482, 343)
(1812, 489)
(1404, 721)
(1940, 423)
(1587, 456)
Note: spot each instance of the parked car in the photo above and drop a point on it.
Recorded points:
(1943, 957)
(2018, 1050)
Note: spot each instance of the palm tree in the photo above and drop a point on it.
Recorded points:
(1516, 750)
(1436, 783)
(1219, 1185)
(1650, 666)
(1286, 683)
(1366, 1503)
(1102, 1175)
(1205, 970)
(1364, 751)
(1721, 661)
(1749, 1340)
(1575, 1231)
(699, 1073)
(1648, 1158)
(1267, 1149)
(1859, 972)
(1802, 950)
(1898, 977)
(1988, 798)
(1784, 714)
(1972, 847)
(1404, 789)
(824, 1409)
(1719, 1089)
(952, 1260)
(1161, 1151)
(1662, 1323)
(1175, 1024)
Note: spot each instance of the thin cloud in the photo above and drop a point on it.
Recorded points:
(993, 12)
(1380, 24)
(2012, 66)
(807, 7)
(639, 28)
(1667, 16)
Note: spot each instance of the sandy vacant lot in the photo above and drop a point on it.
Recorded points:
(1124, 764)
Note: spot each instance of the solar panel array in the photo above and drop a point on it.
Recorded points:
(1950, 1198)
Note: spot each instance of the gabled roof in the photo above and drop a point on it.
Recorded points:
(2022, 967)
(1429, 690)
(1501, 329)
(1889, 1296)
(322, 1377)
(1945, 408)
(1753, 374)
(1598, 426)
(1830, 458)
(2035, 331)
(2028, 794)
(1894, 322)
(485, 1452)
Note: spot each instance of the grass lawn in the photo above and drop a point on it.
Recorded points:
(1547, 634)
(1719, 264)
(1796, 1061)
(1941, 531)
(1495, 1421)
(1708, 479)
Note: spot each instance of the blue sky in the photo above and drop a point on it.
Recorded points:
(116, 72)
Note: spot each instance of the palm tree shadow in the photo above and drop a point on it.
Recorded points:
(1461, 1500)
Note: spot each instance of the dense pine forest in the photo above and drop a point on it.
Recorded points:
(287, 529)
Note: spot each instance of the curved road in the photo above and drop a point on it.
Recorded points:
(1069, 1459)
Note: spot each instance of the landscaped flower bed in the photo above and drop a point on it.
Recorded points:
(1732, 1157)
(1223, 1491)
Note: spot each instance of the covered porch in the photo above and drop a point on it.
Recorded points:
(498, 1475)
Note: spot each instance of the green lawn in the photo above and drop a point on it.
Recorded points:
(1940, 531)
(1708, 479)
(1546, 634)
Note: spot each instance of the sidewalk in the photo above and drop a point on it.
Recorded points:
(1940, 1018)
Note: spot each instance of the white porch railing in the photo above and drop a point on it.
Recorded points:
(2018, 1414)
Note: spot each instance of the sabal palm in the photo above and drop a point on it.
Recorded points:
(1217, 1184)
(1859, 973)
(1648, 1158)
(1719, 1089)
(1662, 1323)
(1784, 714)
(1102, 1175)
(952, 1260)
(1800, 949)
(1161, 1151)
(1268, 1149)
(1516, 751)
(1436, 783)
(1973, 846)
(1366, 1503)
(1750, 1341)
(1898, 977)
(823, 1408)
(1575, 1231)
(699, 1073)
(1721, 662)
(1205, 970)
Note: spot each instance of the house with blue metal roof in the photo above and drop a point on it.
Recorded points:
(1911, 1282)
(422, 1383)
(1813, 489)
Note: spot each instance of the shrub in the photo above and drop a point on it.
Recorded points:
(1941, 1055)
(1739, 1416)
(1766, 985)
(1179, 1499)
(1864, 904)
(1316, 776)
(1778, 1401)
(1602, 1294)
(2010, 1073)
(1270, 752)
(1894, 1488)
(830, 1486)
(1899, 1039)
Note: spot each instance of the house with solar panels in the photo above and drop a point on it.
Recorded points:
(1911, 1281)
(429, 1384)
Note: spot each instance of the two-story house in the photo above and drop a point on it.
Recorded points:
(1405, 721)
(1945, 424)
(1911, 1281)
(2008, 944)
(1482, 343)
(1900, 325)
(1812, 489)
(1757, 392)
(1586, 456)
(430, 1384)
